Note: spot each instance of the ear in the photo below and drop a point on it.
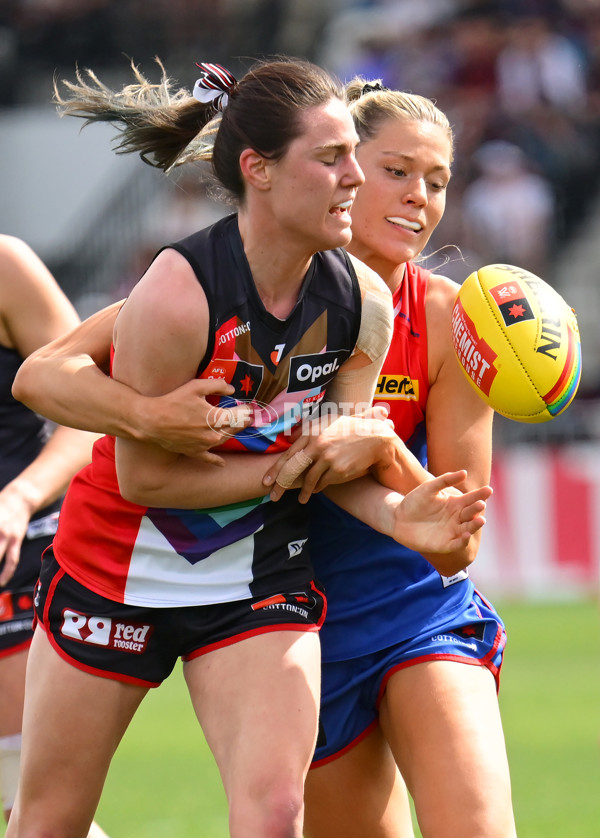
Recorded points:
(255, 169)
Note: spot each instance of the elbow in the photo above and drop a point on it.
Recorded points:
(137, 487)
(137, 493)
(146, 475)
(23, 387)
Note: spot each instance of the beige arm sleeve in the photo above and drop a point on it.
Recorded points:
(356, 383)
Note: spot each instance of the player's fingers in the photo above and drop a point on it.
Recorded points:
(474, 525)
(377, 411)
(445, 481)
(271, 475)
(11, 560)
(449, 478)
(212, 386)
(314, 481)
(229, 420)
(276, 492)
(483, 493)
(210, 458)
(293, 468)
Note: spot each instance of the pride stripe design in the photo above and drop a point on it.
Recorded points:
(561, 395)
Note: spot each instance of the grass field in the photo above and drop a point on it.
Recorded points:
(163, 781)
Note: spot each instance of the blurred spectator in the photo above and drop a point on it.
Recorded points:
(362, 33)
(508, 211)
(538, 65)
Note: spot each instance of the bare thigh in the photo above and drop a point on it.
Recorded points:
(12, 690)
(359, 795)
(443, 724)
(72, 724)
(257, 702)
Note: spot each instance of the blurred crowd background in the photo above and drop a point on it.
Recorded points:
(519, 79)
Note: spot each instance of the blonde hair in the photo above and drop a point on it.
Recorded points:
(371, 104)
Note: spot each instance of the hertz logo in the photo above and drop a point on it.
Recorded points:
(397, 387)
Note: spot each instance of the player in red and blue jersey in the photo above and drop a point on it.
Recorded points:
(411, 650)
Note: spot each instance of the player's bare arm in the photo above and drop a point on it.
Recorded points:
(67, 381)
(459, 423)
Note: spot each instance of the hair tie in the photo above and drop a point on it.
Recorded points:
(214, 85)
(371, 88)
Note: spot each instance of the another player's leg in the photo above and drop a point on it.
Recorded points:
(443, 723)
(72, 724)
(12, 688)
(359, 794)
(257, 701)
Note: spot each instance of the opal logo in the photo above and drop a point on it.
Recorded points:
(313, 371)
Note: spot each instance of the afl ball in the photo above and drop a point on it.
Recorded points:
(517, 342)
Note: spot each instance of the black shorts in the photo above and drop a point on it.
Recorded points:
(16, 598)
(141, 645)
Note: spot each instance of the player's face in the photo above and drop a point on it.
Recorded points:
(315, 183)
(407, 170)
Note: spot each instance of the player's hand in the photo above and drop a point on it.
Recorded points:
(333, 450)
(15, 513)
(184, 422)
(437, 517)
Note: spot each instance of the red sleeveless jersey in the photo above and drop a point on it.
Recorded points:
(404, 382)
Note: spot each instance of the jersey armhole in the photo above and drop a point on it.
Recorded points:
(195, 265)
(356, 295)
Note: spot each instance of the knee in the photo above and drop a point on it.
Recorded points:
(274, 810)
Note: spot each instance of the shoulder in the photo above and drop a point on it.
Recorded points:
(167, 298)
(368, 280)
(12, 249)
(441, 294)
(18, 261)
(376, 322)
(23, 273)
(33, 308)
(439, 300)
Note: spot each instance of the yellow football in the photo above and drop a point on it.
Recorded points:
(517, 342)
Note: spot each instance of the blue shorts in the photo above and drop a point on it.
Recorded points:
(351, 690)
(140, 645)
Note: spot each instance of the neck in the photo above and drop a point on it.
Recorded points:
(391, 273)
(278, 267)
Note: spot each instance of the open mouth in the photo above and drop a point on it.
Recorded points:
(413, 226)
(341, 209)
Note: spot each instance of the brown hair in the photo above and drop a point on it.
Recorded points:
(169, 127)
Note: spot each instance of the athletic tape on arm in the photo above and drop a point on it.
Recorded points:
(377, 322)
